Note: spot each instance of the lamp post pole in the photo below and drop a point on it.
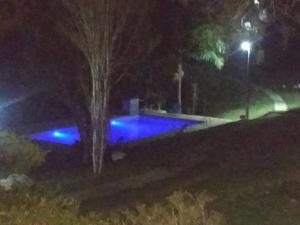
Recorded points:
(248, 86)
(246, 46)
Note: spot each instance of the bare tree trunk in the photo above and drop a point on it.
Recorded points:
(99, 109)
(86, 140)
(179, 96)
(99, 141)
(100, 63)
(82, 119)
(81, 116)
(195, 97)
(99, 28)
(178, 76)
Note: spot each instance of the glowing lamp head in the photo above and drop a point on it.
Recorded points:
(246, 46)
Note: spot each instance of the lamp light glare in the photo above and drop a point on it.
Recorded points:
(280, 107)
(246, 46)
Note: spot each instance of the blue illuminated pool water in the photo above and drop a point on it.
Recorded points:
(121, 130)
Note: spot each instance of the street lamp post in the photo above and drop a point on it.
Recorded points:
(246, 46)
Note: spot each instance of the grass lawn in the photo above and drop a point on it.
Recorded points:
(251, 167)
(292, 99)
(257, 109)
(261, 104)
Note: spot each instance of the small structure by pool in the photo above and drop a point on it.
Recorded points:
(121, 130)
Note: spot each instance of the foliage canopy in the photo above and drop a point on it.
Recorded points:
(208, 44)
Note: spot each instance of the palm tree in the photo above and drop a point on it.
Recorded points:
(207, 45)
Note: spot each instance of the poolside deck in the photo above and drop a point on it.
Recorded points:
(207, 122)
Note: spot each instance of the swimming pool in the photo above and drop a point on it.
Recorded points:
(121, 130)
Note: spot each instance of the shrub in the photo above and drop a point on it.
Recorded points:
(44, 207)
(181, 208)
(18, 155)
(41, 207)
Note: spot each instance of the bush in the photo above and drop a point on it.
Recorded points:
(18, 155)
(41, 207)
(44, 207)
(181, 208)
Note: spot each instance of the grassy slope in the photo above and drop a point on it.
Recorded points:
(262, 104)
(257, 109)
(252, 167)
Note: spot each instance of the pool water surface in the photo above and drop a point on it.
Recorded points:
(121, 130)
